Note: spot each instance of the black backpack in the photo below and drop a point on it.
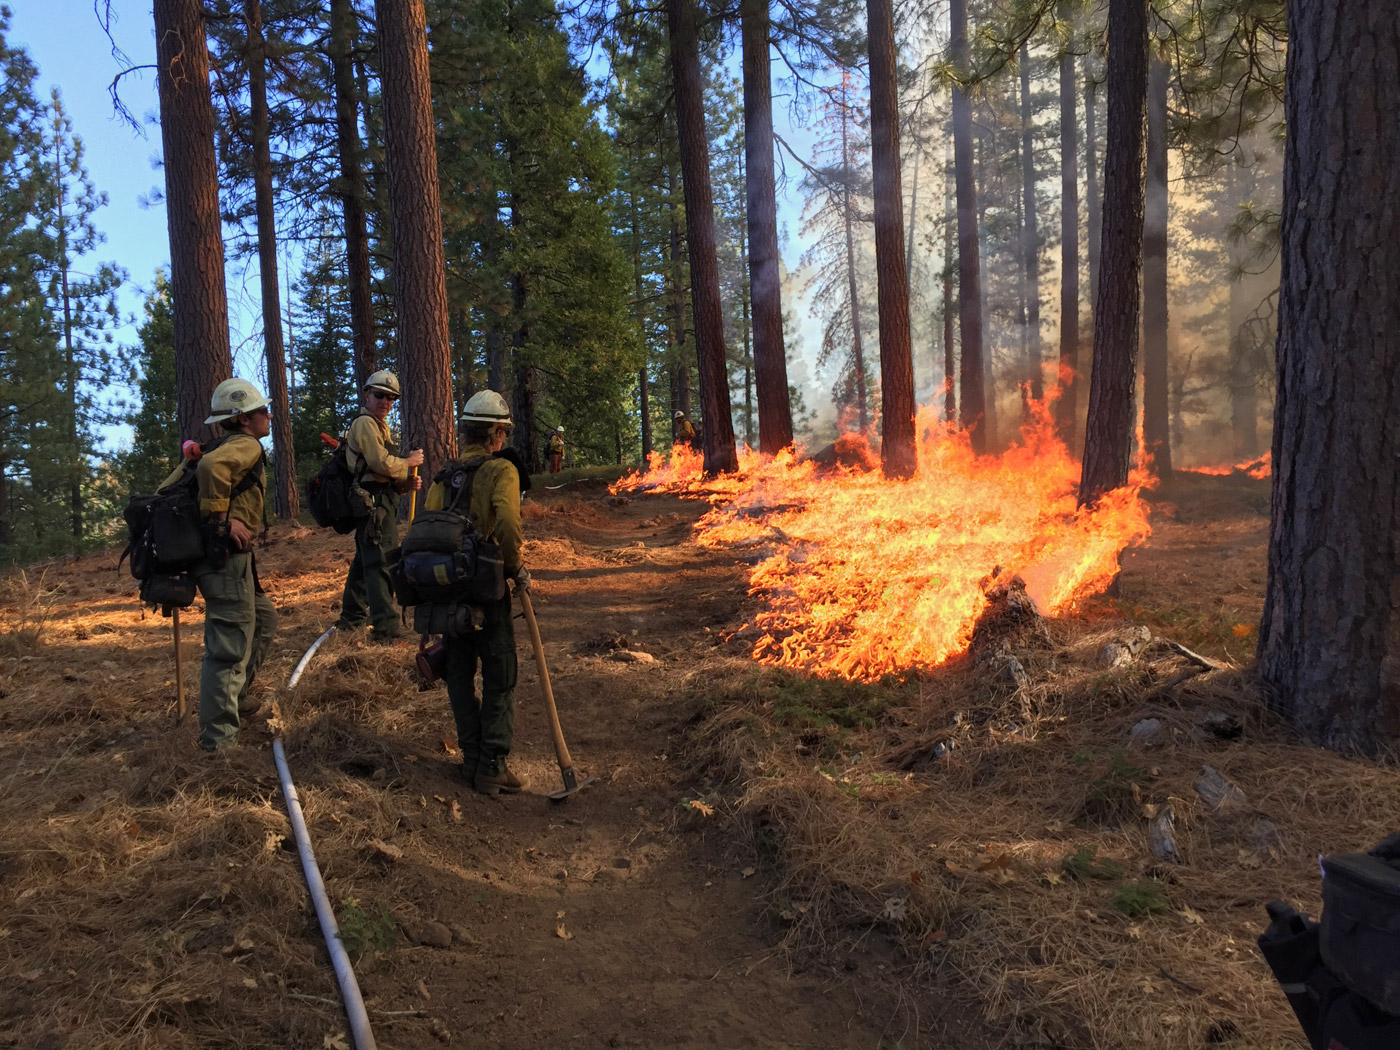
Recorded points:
(334, 496)
(444, 557)
(165, 535)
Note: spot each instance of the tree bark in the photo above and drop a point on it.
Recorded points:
(352, 191)
(1091, 183)
(765, 283)
(527, 394)
(285, 499)
(1030, 246)
(897, 452)
(680, 398)
(950, 395)
(198, 296)
(1156, 433)
(989, 359)
(425, 365)
(1244, 398)
(718, 432)
(70, 361)
(1065, 407)
(974, 405)
(1108, 432)
(1329, 643)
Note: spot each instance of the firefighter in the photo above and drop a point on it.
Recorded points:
(382, 475)
(556, 450)
(683, 432)
(239, 618)
(485, 725)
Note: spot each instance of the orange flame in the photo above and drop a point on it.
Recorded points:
(861, 575)
(1261, 467)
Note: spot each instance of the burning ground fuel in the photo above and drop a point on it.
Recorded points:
(863, 576)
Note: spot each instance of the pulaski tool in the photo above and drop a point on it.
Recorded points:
(572, 783)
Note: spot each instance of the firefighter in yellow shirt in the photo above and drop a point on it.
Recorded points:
(239, 618)
(383, 475)
(556, 450)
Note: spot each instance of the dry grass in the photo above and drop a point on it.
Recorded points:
(948, 824)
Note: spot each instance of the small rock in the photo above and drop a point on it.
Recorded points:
(435, 935)
(623, 863)
(1159, 836)
(1146, 730)
(1215, 790)
(1265, 835)
(1221, 725)
(633, 656)
(1115, 655)
(462, 935)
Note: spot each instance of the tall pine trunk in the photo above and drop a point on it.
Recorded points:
(198, 296)
(1030, 246)
(765, 284)
(285, 499)
(425, 364)
(352, 191)
(77, 469)
(720, 453)
(1069, 253)
(974, 405)
(950, 219)
(1156, 433)
(896, 352)
(680, 344)
(1329, 644)
(1108, 432)
(1244, 397)
(989, 372)
(1091, 183)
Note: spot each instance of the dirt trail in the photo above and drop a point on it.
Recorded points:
(151, 896)
(669, 943)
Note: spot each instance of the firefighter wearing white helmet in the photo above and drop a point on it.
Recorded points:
(239, 618)
(489, 487)
(682, 430)
(556, 450)
(381, 475)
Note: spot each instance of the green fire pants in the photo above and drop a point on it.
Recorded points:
(485, 726)
(239, 624)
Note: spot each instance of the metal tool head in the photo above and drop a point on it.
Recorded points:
(572, 785)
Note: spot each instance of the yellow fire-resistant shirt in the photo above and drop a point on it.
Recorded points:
(219, 471)
(495, 503)
(371, 440)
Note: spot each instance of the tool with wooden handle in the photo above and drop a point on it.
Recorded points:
(179, 669)
(561, 750)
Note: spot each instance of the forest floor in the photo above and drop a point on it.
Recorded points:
(762, 861)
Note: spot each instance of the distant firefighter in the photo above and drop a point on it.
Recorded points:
(556, 450)
(683, 431)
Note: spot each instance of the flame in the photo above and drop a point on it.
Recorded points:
(861, 575)
(1261, 467)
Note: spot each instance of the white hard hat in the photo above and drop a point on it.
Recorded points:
(486, 406)
(559, 429)
(679, 414)
(384, 381)
(234, 396)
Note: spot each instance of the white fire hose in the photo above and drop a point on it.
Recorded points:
(330, 929)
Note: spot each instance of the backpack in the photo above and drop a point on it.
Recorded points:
(334, 495)
(165, 535)
(444, 557)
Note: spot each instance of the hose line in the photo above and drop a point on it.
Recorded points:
(330, 930)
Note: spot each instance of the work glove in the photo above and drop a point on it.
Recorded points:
(522, 579)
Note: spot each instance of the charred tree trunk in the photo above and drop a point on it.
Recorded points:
(351, 190)
(765, 284)
(1108, 433)
(1091, 184)
(644, 399)
(1244, 396)
(286, 501)
(527, 396)
(419, 274)
(974, 405)
(638, 292)
(989, 358)
(680, 396)
(1030, 246)
(720, 454)
(1156, 433)
(950, 395)
(1329, 644)
(896, 352)
(1069, 253)
(198, 296)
